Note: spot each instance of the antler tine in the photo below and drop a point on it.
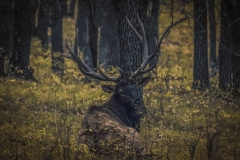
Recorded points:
(134, 30)
(144, 40)
(111, 78)
(76, 59)
(76, 43)
(120, 71)
(83, 67)
(71, 56)
(146, 57)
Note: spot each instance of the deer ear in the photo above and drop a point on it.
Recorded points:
(108, 88)
(143, 82)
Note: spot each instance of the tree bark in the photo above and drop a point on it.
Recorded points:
(43, 23)
(19, 59)
(236, 56)
(5, 10)
(34, 6)
(64, 7)
(87, 33)
(225, 61)
(108, 48)
(212, 21)
(131, 49)
(152, 26)
(200, 73)
(72, 8)
(56, 39)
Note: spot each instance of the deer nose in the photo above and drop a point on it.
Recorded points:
(137, 101)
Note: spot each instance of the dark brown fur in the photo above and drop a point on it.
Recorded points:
(104, 134)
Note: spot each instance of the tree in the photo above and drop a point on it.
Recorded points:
(87, 32)
(56, 38)
(72, 8)
(19, 60)
(212, 23)
(236, 47)
(200, 72)
(108, 44)
(34, 7)
(152, 25)
(225, 61)
(130, 48)
(5, 9)
(63, 7)
(43, 23)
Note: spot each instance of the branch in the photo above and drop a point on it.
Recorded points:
(166, 32)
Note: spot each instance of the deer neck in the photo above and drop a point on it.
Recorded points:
(121, 111)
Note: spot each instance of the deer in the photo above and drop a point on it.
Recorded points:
(114, 126)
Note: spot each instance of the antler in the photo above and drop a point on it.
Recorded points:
(146, 57)
(86, 70)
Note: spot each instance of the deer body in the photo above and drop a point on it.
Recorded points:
(105, 134)
(113, 127)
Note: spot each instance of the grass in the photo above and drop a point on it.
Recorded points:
(40, 120)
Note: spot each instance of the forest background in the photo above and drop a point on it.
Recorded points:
(192, 99)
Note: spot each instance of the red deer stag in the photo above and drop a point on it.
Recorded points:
(112, 127)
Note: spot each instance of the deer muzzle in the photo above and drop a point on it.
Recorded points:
(138, 106)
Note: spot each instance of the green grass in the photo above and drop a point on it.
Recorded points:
(40, 120)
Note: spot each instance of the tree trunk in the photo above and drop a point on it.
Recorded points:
(64, 7)
(72, 8)
(225, 70)
(200, 73)
(212, 21)
(34, 7)
(131, 49)
(152, 26)
(5, 9)
(236, 49)
(56, 39)
(22, 37)
(43, 23)
(108, 48)
(87, 33)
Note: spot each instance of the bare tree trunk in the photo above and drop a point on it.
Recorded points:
(64, 7)
(200, 73)
(56, 39)
(236, 56)
(72, 8)
(87, 33)
(212, 21)
(131, 50)
(93, 34)
(105, 18)
(152, 26)
(226, 45)
(22, 37)
(34, 7)
(5, 9)
(43, 23)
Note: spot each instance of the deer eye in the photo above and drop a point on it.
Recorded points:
(120, 92)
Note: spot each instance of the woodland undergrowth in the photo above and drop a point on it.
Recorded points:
(40, 120)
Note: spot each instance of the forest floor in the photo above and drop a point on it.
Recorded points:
(40, 120)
